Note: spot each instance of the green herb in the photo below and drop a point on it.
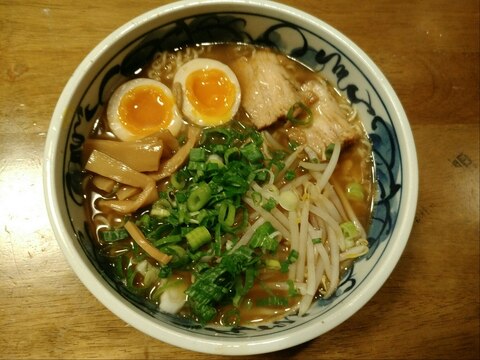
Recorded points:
(355, 191)
(292, 291)
(317, 240)
(226, 213)
(270, 204)
(300, 114)
(256, 197)
(198, 237)
(293, 145)
(276, 301)
(232, 154)
(177, 180)
(329, 151)
(199, 197)
(261, 238)
(242, 287)
(169, 239)
(215, 283)
(292, 257)
(178, 253)
(272, 264)
(198, 155)
(251, 152)
(114, 234)
(349, 230)
(289, 175)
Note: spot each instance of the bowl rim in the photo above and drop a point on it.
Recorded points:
(134, 316)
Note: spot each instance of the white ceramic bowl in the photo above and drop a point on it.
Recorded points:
(297, 34)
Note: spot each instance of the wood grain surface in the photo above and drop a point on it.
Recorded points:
(427, 309)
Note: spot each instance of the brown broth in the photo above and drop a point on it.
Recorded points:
(355, 165)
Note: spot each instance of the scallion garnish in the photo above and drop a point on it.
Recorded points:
(226, 213)
(289, 175)
(199, 197)
(261, 238)
(329, 151)
(300, 114)
(113, 234)
(270, 204)
(273, 301)
(355, 191)
(198, 154)
(198, 237)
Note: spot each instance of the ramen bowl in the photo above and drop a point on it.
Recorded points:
(296, 34)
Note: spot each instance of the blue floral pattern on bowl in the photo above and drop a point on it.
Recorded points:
(299, 43)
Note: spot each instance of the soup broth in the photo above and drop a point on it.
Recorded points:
(275, 230)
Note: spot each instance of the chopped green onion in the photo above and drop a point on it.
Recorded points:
(256, 197)
(200, 267)
(177, 180)
(293, 145)
(198, 237)
(213, 284)
(215, 159)
(217, 247)
(300, 114)
(181, 196)
(329, 151)
(292, 291)
(317, 241)
(289, 175)
(270, 204)
(182, 139)
(242, 289)
(273, 301)
(159, 232)
(178, 253)
(251, 152)
(131, 275)
(261, 238)
(196, 166)
(165, 272)
(199, 197)
(355, 191)
(145, 221)
(349, 230)
(226, 213)
(197, 154)
(170, 239)
(262, 175)
(272, 264)
(293, 256)
(231, 154)
(114, 234)
(159, 212)
(219, 149)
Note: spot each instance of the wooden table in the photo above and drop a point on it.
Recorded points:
(428, 308)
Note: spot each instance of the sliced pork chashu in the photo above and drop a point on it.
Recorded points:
(267, 88)
(331, 121)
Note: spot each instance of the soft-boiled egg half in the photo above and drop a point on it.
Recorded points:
(142, 107)
(210, 91)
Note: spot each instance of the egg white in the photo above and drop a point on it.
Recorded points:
(189, 109)
(113, 110)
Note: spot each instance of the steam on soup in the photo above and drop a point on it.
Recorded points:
(228, 184)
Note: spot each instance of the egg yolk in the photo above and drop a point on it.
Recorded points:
(145, 110)
(211, 93)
